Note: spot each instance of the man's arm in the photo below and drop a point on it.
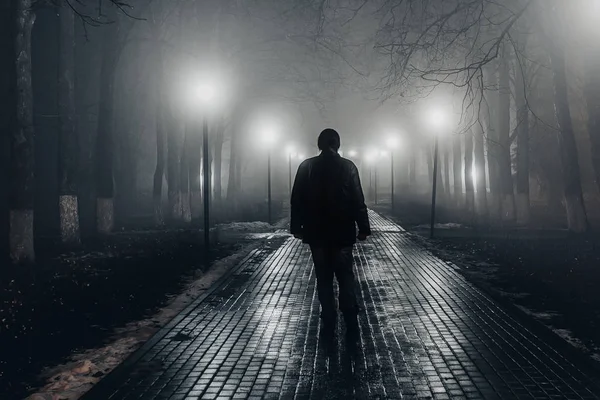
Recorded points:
(297, 201)
(362, 216)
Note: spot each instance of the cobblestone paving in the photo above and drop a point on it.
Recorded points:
(426, 333)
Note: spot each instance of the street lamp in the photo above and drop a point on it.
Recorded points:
(291, 152)
(436, 119)
(392, 144)
(371, 159)
(204, 93)
(269, 138)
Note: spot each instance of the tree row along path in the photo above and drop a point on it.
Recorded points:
(426, 332)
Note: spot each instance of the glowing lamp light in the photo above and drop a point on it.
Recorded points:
(269, 137)
(392, 142)
(301, 156)
(352, 153)
(437, 119)
(290, 151)
(204, 92)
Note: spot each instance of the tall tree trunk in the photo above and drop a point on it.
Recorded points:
(523, 214)
(470, 194)
(573, 194)
(592, 94)
(7, 113)
(69, 147)
(105, 141)
(504, 163)
(457, 171)
(402, 172)
(159, 172)
(184, 174)
(160, 124)
(492, 143)
(231, 179)
(174, 165)
(21, 139)
(481, 207)
(239, 159)
(412, 177)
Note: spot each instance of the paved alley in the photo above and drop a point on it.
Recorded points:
(426, 333)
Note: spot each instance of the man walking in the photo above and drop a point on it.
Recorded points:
(327, 203)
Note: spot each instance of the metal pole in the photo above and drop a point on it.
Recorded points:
(392, 180)
(206, 183)
(290, 171)
(370, 183)
(434, 189)
(375, 168)
(269, 182)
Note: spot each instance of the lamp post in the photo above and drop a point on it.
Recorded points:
(392, 143)
(269, 138)
(371, 159)
(291, 153)
(436, 120)
(269, 183)
(205, 95)
(434, 189)
(375, 183)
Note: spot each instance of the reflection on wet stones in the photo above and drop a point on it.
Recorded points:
(181, 337)
(146, 368)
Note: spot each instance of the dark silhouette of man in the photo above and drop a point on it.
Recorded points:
(327, 203)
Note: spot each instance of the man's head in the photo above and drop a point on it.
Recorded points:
(329, 139)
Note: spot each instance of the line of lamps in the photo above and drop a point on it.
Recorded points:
(205, 94)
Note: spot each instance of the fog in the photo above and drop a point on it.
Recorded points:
(507, 90)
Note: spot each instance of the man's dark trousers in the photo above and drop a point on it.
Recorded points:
(330, 261)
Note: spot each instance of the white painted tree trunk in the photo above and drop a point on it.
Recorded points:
(69, 219)
(21, 236)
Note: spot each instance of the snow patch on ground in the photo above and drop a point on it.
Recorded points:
(568, 336)
(545, 315)
(512, 295)
(71, 380)
(255, 227)
(449, 225)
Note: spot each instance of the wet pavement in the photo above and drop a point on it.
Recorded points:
(426, 333)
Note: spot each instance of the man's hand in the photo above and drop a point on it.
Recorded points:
(298, 236)
(362, 237)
